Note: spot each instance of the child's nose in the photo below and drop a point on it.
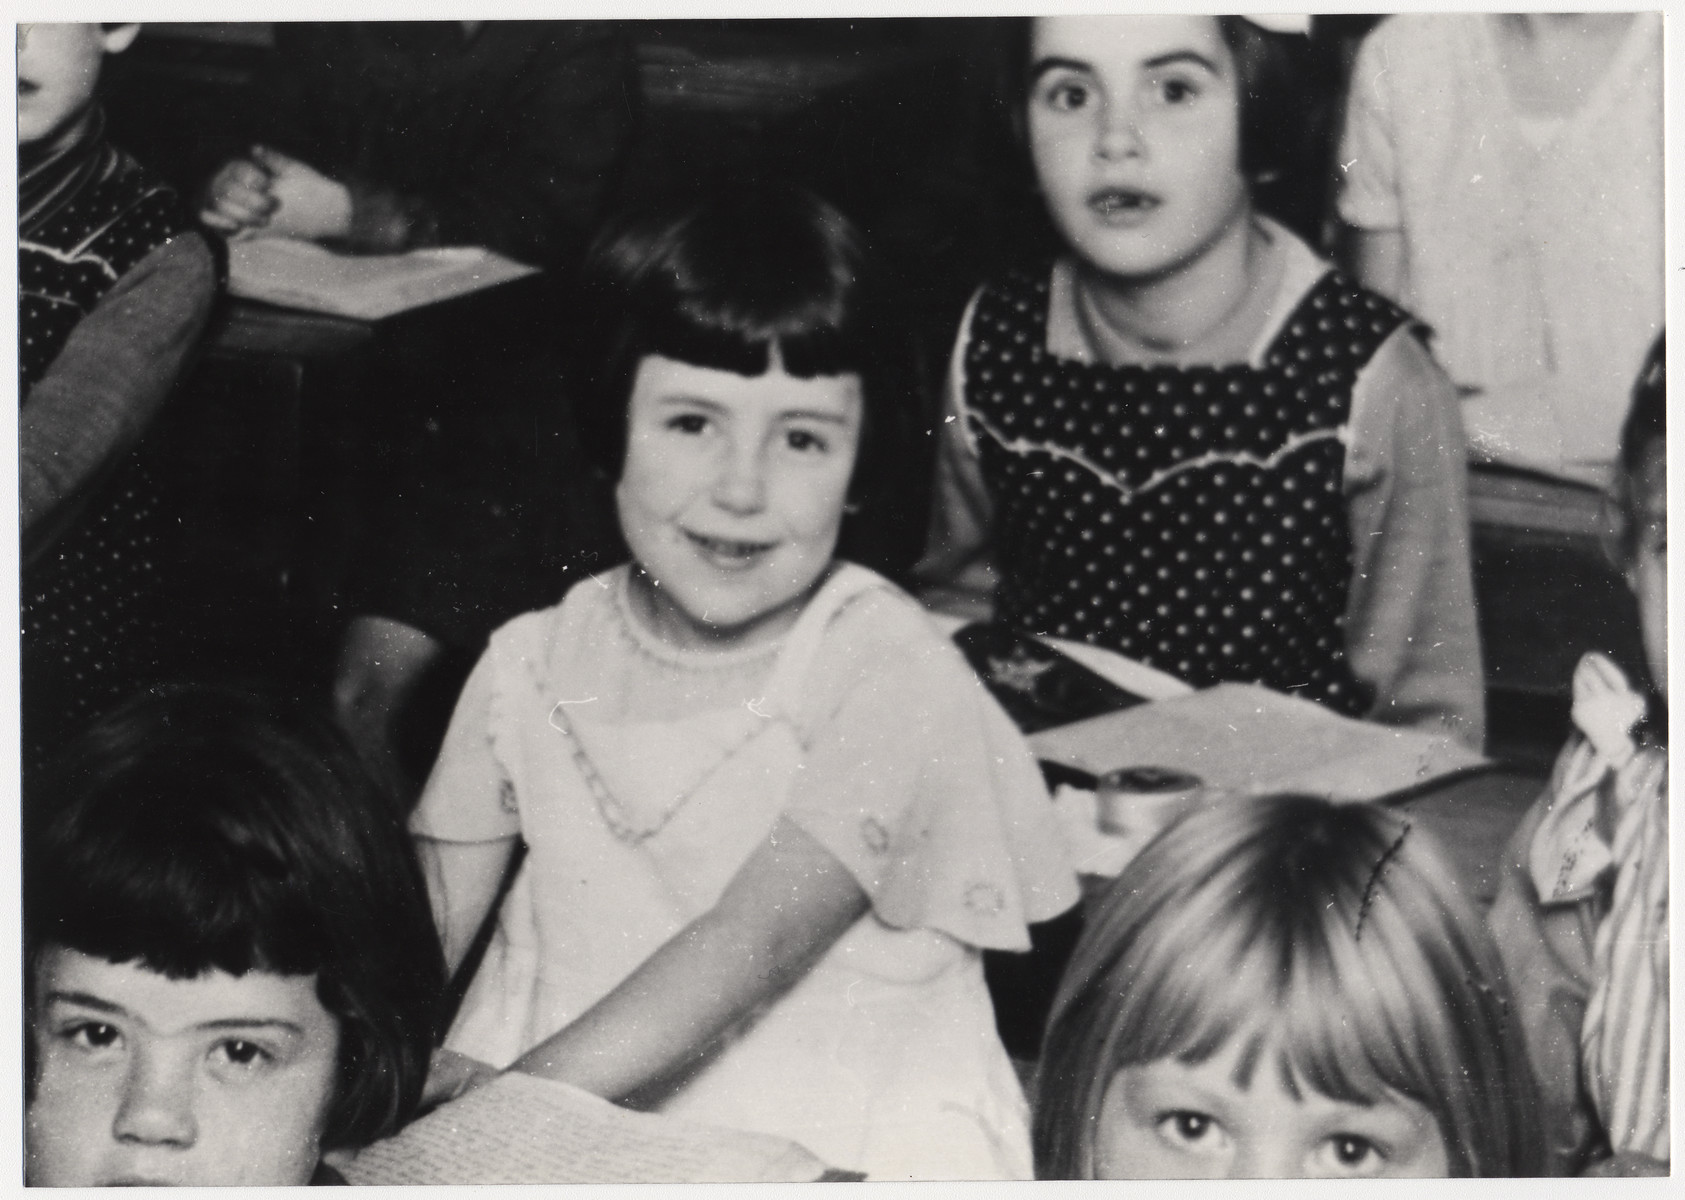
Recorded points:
(1268, 1157)
(741, 485)
(157, 1106)
(1119, 135)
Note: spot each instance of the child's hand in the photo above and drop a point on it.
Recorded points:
(238, 198)
(1606, 708)
(308, 204)
(452, 1076)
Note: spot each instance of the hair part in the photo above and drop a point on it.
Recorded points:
(1242, 919)
(203, 828)
(731, 281)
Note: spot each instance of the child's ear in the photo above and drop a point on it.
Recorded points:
(114, 39)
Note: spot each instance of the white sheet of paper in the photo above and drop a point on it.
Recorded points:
(1247, 739)
(298, 274)
(519, 1129)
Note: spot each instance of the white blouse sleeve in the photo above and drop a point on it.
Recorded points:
(917, 782)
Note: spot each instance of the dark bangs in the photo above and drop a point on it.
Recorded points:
(723, 284)
(752, 279)
(187, 870)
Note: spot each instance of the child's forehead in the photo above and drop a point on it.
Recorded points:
(1106, 41)
(135, 991)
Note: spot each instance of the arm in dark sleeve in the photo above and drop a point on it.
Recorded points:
(535, 189)
(115, 371)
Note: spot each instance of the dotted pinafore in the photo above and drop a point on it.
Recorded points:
(1191, 518)
(91, 611)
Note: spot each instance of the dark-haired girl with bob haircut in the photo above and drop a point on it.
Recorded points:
(1187, 439)
(1285, 987)
(229, 958)
(772, 820)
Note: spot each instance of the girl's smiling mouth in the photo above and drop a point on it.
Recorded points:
(1122, 206)
(729, 553)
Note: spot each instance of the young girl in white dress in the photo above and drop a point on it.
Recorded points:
(772, 818)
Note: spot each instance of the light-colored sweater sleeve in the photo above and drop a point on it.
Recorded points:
(111, 379)
(1410, 618)
(1368, 195)
(956, 575)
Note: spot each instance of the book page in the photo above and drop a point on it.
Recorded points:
(298, 274)
(521, 1129)
(1250, 740)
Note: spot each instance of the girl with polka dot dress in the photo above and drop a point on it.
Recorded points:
(772, 819)
(114, 288)
(1188, 440)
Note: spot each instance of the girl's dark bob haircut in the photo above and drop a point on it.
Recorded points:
(727, 281)
(1334, 933)
(205, 828)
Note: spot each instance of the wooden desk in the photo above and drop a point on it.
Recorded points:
(273, 438)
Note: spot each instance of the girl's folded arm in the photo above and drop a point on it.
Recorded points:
(787, 905)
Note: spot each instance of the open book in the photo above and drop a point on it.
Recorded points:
(298, 274)
(522, 1129)
(1247, 739)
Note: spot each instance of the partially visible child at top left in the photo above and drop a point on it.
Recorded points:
(772, 817)
(114, 289)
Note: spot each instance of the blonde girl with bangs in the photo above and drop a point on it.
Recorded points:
(1285, 988)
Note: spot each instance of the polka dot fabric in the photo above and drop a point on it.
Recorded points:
(91, 610)
(70, 256)
(1191, 518)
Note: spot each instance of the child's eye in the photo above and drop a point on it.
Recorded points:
(1176, 90)
(805, 441)
(1188, 1128)
(1066, 95)
(1349, 1153)
(238, 1052)
(688, 423)
(92, 1036)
